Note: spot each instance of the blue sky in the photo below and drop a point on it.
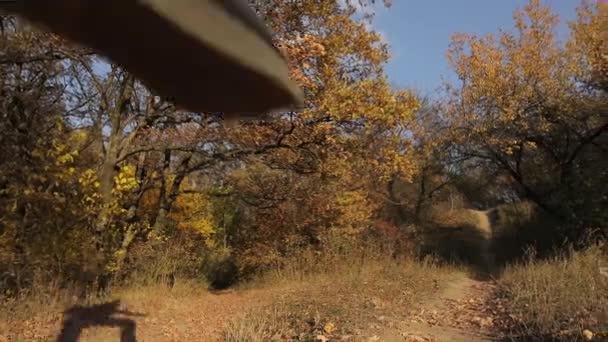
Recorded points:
(418, 32)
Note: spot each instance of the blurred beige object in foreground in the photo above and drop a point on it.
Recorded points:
(204, 55)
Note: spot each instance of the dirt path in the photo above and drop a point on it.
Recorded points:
(159, 315)
(201, 318)
(460, 313)
(485, 226)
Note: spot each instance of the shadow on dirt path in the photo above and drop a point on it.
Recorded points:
(78, 317)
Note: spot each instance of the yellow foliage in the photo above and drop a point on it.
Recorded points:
(88, 178)
(507, 78)
(194, 211)
(329, 328)
(355, 211)
(589, 47)
(125, 180)
(66, 158)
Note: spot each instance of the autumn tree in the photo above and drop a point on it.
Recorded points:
(342, 145)
(532, 109)
(131, 173)
(41, 217)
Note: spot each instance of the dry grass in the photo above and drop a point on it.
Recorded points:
(186, 312)
(36, 315)
(40, 298)
(558, 298)
(444, 216)
(520, 226)
(37, 312)
(337, 296)
(314, 294)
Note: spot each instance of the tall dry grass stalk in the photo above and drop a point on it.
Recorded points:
(559, 297)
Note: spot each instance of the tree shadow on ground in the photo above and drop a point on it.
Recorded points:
(464, 245)
(79, 317)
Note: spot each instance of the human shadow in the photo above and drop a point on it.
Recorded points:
(78, 317)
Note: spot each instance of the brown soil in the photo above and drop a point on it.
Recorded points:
(159, 315)
(461, 313)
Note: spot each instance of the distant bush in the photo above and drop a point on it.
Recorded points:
(221, 271)
(454, 235)
(520, 226)
(181, 255)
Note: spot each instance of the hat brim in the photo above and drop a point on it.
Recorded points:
(202, 54)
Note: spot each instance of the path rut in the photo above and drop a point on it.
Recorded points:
(459, 313)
